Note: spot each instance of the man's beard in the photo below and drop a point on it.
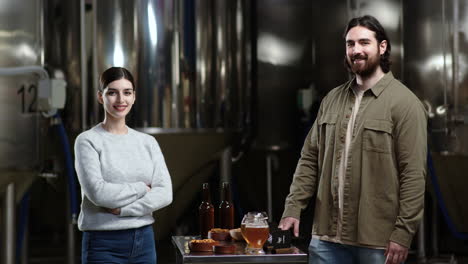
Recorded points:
(368, 68)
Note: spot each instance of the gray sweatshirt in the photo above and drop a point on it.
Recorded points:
(114, 171)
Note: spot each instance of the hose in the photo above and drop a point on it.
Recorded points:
(25, 70)
(440, 200)
(70, 170)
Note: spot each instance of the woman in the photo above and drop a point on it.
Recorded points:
(123, 178)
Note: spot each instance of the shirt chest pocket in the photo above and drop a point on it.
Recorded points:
(377, 136)
(327, 127)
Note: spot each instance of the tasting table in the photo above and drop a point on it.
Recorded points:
(184, 255)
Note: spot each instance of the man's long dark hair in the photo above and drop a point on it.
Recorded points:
(372, 24)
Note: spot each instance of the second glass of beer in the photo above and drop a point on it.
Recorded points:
(254, 228)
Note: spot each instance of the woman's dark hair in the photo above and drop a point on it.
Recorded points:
(114, 74)
(372, 24)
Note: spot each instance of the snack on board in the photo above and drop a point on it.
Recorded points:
(218, 230)
(207, 240)
(202, 244)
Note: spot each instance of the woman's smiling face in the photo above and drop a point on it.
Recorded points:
(117, 98)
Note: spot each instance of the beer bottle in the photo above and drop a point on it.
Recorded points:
(226, 208)
(206, 212)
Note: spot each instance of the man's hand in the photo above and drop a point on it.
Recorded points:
(115, 211)
(395, 253)
(288, 222)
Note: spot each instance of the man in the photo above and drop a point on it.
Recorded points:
(364, 158)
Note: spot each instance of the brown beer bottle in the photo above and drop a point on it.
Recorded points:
(206, 212)
(226, 208)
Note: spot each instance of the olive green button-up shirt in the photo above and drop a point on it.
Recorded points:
(384, 183)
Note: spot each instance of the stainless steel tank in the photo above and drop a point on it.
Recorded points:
(436, 64)
(21, 44)
(186, 72)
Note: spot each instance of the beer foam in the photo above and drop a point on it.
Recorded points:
(256, 225)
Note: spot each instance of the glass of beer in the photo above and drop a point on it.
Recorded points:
(254, 229)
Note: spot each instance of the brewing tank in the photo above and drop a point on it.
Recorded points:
(21, 44)
(180, 53)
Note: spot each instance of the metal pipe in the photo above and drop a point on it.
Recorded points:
(95, 75)
(223, 67)
(456, 51)
(9, 225)
(204, 58)
(26, 70)
(239, 66)
(175, 56)
(402, 39)
(444, 50)
(84, 68)
(444, 54)
(41, 31)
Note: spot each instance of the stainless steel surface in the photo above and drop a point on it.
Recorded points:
(241, 68)
(63, 50)
(176, 98)
(21, 43)
(25, 70)
(9, 227)
(222, 74)
(41, 36)
(204, 46)
(456, 54)
(183, 254)
(151, 39)
(84, 67)
(436, 62)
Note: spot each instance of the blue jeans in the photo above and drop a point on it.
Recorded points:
(324, 252)
(120, 246)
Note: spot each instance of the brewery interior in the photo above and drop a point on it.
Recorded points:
(229, 88)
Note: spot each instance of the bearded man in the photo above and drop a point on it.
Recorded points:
(364, 158)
